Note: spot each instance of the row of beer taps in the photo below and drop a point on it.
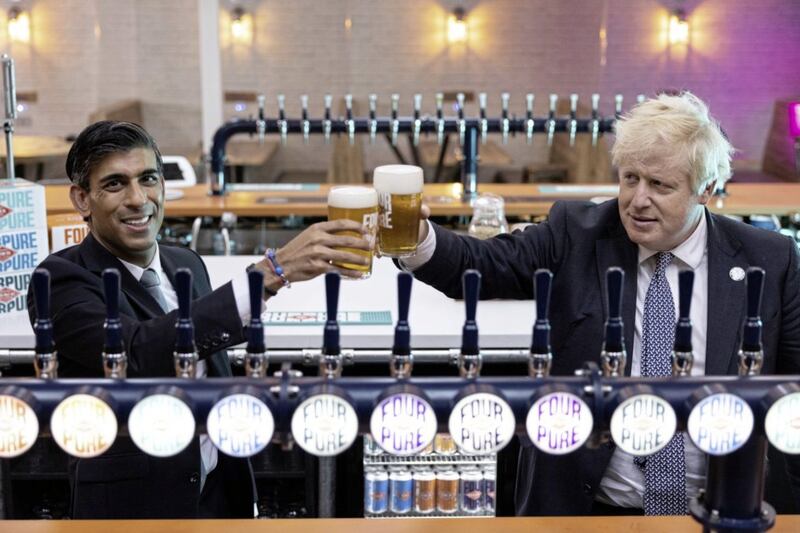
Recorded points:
(506, 124)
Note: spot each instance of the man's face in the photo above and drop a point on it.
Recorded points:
(125, 201)
(657, 205)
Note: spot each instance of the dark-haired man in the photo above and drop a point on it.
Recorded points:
(118, 188)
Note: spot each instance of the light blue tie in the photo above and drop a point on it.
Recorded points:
(665, 470)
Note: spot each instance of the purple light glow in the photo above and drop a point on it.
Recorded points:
(794, 119)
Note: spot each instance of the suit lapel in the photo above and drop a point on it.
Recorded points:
(97, 258)
(726, 299)
(618, 251)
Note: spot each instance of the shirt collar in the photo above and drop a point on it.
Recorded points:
(690, 251)
(137, 271)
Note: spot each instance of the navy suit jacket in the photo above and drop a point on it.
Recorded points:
(578, 243)
(124, 482)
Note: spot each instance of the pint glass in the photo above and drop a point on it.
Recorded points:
(359, 204)
(400, 198)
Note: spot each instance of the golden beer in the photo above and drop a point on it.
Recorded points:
(400, 199)
(359, 204)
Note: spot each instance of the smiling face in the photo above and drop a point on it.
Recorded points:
(124, 204)
(657, 205)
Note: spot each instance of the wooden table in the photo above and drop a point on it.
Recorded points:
(784, 524)
(443, 199)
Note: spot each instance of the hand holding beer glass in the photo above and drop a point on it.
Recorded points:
(399, 190)
(359, 204)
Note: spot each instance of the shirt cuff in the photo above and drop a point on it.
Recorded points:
(241, 294)
(424, 253)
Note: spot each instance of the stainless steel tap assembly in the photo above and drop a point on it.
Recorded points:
(418, 125)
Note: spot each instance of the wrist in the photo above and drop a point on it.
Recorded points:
(272, 283)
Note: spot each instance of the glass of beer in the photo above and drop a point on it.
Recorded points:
(359, 204)
(400, 198)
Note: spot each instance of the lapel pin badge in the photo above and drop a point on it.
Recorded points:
(736, 274)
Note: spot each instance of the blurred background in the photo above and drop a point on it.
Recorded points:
(156, 62)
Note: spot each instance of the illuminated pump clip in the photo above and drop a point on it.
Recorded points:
(325, 423)
(240, 423)
(403, 421)
(481, 421)
(558, 421)
(720, 422)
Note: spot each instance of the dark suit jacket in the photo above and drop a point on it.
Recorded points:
(579, 242)
(124, 482)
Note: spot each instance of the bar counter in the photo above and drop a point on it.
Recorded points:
(444, 199)
(602, 524)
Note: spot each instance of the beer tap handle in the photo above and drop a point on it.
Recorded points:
(113, 324)
(331, 359)
(351, 125)
(573, 118)
(115, 361)
(529, 122)
(261, 123)
(462, 124)
(304, 116)
(595, 118)
(470, 358)
(440, 117)
(551, 120)
(256, 358)
(417, 120)
(484, 121)
(185, 354)
(402, 361)
(682, 355)
(618, 105)
(613, 356)
(255, 339)
(751, 355)
(504, 100)
(395, 121)
(541, 358)
(282, 124)
(45, 361)
(9, 87)
(183, 286)
(640, 98)
(373, 122)
(326, 123)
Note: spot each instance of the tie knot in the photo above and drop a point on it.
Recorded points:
(663, 259)
(150, 279)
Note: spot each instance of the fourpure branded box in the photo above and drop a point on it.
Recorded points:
(23, 243)
(66, 231)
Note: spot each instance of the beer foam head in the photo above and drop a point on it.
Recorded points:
(398, 179)
(352, 197)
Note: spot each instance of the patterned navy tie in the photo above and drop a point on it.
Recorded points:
(152, 283)
(664, 471)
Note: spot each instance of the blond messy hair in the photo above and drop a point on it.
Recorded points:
(682, 124)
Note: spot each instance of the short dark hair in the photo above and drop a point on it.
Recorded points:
(101, 139)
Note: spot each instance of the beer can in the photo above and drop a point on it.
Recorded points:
(444, 444)
(447, 491)
(472, 491)
(371, 446)
(490, 484)
(424, 491)
(401, 489)
(376, 491)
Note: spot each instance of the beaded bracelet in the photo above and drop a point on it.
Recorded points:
(278, 269)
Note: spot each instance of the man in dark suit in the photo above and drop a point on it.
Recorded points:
(669, 154)
(118, 188)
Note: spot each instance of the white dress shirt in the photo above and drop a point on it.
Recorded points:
(208, 452)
